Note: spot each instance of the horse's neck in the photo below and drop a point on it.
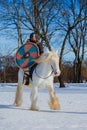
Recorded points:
(44, 68)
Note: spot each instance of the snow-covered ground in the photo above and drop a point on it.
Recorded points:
(72, 116)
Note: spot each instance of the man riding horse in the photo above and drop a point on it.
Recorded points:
(28, 71)
(41, 70)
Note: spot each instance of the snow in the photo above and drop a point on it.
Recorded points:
(72, 116)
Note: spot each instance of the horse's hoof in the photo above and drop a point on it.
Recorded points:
(17, 104)
(34, 108)
(54, 104)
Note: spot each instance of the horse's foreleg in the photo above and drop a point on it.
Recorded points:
(18, 97)
(19, 91)
(33, 98)
(53, 103)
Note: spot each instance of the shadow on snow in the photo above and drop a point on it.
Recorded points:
(2, 106)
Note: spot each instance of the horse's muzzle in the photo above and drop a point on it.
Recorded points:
(58, 73)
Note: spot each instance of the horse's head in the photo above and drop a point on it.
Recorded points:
(53, 59)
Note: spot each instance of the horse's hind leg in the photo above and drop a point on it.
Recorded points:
(19, 91)
(33, 98)
(53, 103)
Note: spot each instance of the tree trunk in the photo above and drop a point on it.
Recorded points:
(60, 60)
(62, 85)
(77, 71)
(20, 43)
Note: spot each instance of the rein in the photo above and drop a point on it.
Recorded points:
(44, 77)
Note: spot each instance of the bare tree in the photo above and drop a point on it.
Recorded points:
(71, 14)
(77, 40)
(39, 17)
(11, 18)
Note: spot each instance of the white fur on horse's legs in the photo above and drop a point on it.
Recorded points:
(51, 92)
(19, 92)
(53, 103)
(33, 98)
(18, 98)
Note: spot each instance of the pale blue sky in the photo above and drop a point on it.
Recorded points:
(7, 45)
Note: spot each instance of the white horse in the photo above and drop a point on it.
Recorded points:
(43, 75)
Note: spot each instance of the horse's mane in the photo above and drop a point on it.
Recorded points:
(45, 57)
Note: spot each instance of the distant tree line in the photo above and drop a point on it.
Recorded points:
(9, 71)
(63, 20)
